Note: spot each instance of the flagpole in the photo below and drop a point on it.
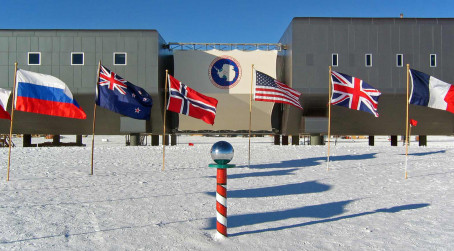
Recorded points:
(250, 115)
(406, 121)
(94, 121)
(329, 118)
(164, 133)
(12, 118)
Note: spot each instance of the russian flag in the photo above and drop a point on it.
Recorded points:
(45, 94)
(431, 92)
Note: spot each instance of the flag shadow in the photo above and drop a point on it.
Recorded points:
(426, 153)
(288, 189)
(259, 174)
(311, 161)
(325, 211)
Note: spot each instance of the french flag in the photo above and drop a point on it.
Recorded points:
(45, 94)
(431, 92)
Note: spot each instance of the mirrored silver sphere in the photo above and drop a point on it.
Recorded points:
(222, 152)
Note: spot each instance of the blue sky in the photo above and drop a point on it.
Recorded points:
(230, 21)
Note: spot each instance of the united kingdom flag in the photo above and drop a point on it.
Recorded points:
(354, 93)
(189, 102)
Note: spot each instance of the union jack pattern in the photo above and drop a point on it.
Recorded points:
(120, 96)
(354, 93)
(112, 80)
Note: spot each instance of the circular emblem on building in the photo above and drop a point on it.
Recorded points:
(225, 72)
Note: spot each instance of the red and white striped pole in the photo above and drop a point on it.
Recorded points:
(221, 201)
(222, 154)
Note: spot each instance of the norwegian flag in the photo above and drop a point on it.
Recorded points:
(354, 93)
(186, 101)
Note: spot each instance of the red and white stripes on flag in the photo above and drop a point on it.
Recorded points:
(270, 90)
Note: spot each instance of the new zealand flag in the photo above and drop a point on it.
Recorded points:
(120, 96)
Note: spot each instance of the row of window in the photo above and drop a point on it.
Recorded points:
(77, 58)
(399, 60)
(120, 58)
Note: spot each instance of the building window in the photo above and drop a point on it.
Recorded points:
(399, 60)
(368, 60)
(433, 60)
(334, 59)
(34, 58)
(77, 58)
(120, 58)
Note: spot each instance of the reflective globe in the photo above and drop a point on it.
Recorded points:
(222, 152)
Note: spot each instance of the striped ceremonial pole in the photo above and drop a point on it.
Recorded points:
(222, 153)
(221, 201)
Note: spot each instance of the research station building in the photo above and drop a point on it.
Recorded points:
(376, 50)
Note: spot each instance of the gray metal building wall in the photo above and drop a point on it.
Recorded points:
(146, 63)
(311, 42)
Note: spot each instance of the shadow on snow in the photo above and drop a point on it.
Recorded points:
(324, 211)
(311, 161)
(426, 153)
(259, 174)
(288, 189)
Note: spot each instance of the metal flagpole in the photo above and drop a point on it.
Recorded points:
(94, 121)
(406, 121)
(13, 103)
(329, 118)
(165, 113)
(250, 116)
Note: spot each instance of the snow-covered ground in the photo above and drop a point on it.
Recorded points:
(285, 200)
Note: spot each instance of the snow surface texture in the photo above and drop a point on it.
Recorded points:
(286, 199)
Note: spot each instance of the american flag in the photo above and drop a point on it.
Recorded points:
(270, 90)
(354, 93)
